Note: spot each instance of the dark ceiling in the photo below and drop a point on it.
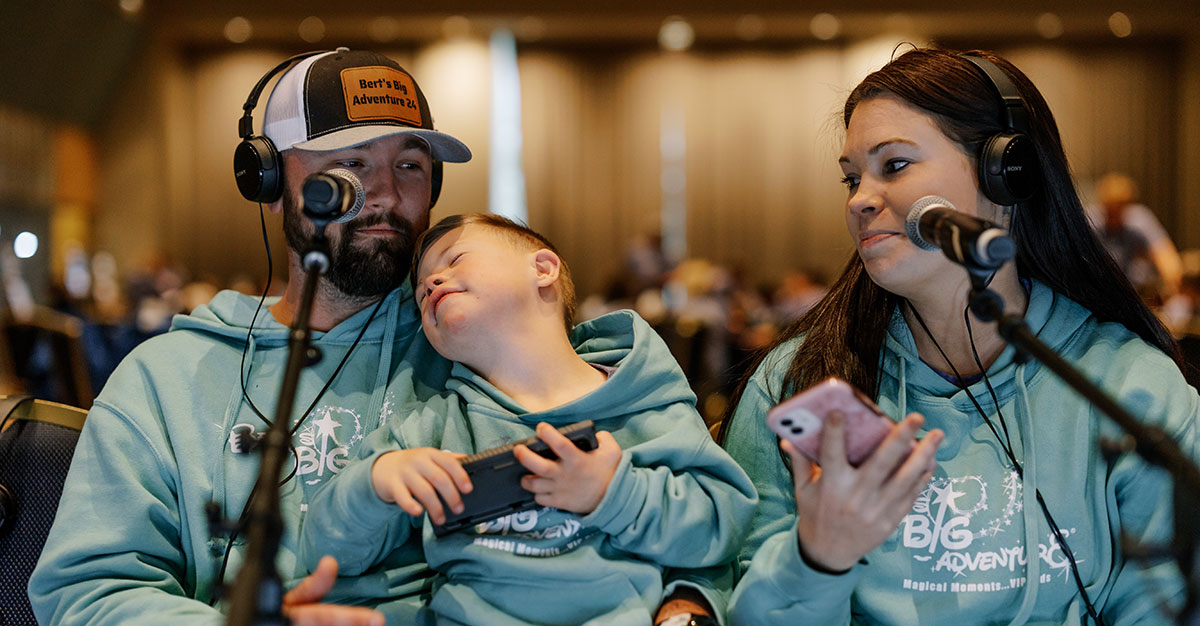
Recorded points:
(633, 21)
(64, 58)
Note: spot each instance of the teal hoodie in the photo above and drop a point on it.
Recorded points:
(976, 547)
(131, 543)
(676, 500)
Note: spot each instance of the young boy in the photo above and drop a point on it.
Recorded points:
(657, 492)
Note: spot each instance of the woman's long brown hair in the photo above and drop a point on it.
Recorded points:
(844, 334)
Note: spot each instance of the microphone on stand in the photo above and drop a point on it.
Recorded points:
(934, 223)
(336, 195)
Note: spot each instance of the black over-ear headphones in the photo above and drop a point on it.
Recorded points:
(256, 163)
(1008, 163)
(257, 166)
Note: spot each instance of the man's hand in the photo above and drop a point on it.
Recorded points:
(576, 482)
(301, 604)
(412, 478)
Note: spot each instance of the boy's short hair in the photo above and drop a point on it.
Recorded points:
(516, 233)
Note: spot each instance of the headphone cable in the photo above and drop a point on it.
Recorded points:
(243, 374)
(1006, 445)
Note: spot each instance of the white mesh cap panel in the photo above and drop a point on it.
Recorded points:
(285, 123)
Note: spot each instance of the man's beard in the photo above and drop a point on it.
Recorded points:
(368, 270)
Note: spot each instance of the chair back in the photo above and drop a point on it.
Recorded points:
(46, 352)
(37, 441)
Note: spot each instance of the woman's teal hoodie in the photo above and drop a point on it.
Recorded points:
(976, 547)
(131, 543)
(676, 500)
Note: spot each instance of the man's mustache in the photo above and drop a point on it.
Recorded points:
(403, 226)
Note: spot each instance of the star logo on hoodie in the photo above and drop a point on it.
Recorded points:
(319, 451)
(325, 427)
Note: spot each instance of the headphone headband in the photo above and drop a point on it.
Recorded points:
(246, 123)
(1016, 116)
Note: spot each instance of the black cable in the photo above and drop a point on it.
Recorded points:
(291, 433)
(987, 381)
(242, 374)
(304, 416)
(1006, 445)
(1058, 535)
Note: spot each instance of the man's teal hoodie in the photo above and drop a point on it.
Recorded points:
(676, 500)
(976, 548)
(131, 543)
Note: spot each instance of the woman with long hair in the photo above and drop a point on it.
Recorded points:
(1005, 511)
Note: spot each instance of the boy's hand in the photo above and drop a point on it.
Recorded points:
(576, 482)
(412, 478)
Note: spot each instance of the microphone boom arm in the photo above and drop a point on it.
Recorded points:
(1150, 442)
(257, 597)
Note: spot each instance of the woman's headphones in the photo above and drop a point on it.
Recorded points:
(1008, 164)
(257, 166)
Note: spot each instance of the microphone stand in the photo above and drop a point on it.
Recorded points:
(257, 597)
(1151, 442)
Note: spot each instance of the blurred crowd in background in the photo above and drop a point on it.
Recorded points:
(64, 346)
(711, 317)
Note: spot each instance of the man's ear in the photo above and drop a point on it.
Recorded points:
(547, 266)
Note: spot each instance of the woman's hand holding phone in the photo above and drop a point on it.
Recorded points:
(844, 511)
(799, 419)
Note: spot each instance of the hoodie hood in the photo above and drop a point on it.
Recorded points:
(959, 489)
(647, 377)
(230, 315)
(1054, 319)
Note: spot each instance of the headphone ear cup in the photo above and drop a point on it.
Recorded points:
(435, 183)
(258, 170)
(1008, 169)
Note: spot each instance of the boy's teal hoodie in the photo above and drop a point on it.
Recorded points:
(676, 500)
(131, 543)
(976, 547)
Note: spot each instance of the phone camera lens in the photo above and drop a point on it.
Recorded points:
(787, 421)
(797, 430)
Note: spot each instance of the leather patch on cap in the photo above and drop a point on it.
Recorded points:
(380, 92)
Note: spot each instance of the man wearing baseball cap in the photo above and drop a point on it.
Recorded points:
(173, 428)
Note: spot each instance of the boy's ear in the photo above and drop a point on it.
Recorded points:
(547, 266)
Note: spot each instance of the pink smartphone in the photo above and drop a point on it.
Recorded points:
(799, 418)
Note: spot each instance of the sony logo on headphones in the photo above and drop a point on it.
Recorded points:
(1013, 168)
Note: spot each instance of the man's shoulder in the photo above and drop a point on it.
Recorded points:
(180, 343)
(177, 358)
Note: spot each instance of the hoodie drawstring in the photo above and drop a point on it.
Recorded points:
(1030, 506)
(383, 373)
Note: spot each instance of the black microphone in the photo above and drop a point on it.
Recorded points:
(934, 223)
(335, 194)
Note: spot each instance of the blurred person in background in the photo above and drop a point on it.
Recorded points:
(798, 292)
(1135, 238)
